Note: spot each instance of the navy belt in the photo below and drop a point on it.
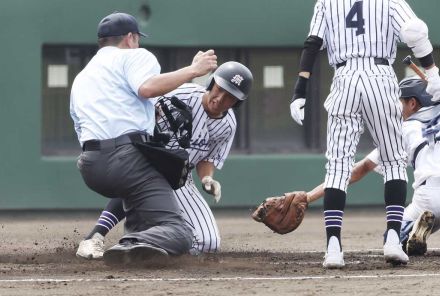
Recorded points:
(111, 144)
(377, 61)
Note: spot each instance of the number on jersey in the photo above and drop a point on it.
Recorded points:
(356, 13)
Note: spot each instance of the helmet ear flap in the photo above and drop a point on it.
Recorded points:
(211, 83)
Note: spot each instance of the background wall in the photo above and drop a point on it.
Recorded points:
(28, 180)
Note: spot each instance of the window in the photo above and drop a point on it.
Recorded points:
(264, 123)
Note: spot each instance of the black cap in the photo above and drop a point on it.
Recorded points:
(118, 24)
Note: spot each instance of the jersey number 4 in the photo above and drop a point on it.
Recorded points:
(359, 23)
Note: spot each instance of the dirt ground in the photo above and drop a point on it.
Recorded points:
(37, 257)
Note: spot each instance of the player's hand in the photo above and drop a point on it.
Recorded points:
(433, 87)
(212, 187)
(297, 110)
(204, 62)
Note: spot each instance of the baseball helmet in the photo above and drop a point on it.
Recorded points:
(233, 77)
(414, 87)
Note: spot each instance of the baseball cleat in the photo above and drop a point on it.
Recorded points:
(92, 248)
(333, 258)
(420, 232)
(392, 249)
(132, 253)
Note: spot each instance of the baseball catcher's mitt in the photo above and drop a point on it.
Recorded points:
(282, 214)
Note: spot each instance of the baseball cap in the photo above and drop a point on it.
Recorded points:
(118, 24)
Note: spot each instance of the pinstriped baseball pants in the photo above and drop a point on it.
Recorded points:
(363, 93)
(198, 216)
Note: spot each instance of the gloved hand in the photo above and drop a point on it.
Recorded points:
(282, 214)
(212, 187)
(433, 87)
(297, 110)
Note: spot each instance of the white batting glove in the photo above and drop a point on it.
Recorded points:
(297, 110)
(433, 87)
(212, 187)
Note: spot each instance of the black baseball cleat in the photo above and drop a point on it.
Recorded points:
(420, 232)
(133, 254)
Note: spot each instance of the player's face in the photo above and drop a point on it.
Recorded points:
(409, 107)
(219, 101)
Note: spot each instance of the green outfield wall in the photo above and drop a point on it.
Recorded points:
(246, 181)
(28, 180)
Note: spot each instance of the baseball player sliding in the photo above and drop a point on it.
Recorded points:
(361, 40)
(213, 130)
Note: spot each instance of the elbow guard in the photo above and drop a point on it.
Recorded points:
(312, 45)
(415, 34)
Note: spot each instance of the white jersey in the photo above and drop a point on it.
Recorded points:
(211, 138)
(427, 162)
(361, 38)
(211, 141)
(426, 174)
(104, 101)
(363, 28)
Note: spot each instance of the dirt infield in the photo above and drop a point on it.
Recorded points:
(37, 258)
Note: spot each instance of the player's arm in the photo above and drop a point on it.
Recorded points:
(414, 32)
(360, 170)
(310, 51)
(158, 85)
(205, 168)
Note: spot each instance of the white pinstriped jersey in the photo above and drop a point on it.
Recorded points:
(211, 138)
(359, 28)
(211, 141)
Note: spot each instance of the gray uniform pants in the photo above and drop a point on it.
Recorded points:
(152, 213)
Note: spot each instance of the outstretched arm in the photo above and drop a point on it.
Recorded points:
(158, 85)
(360, 170)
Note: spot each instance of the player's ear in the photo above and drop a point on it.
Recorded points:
(414, 104)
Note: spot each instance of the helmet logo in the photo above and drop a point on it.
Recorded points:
(237, 79)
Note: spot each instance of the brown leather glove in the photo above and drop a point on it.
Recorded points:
(282, 214)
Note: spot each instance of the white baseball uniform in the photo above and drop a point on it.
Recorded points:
(361, 40)
(426, 173)
(211, 141)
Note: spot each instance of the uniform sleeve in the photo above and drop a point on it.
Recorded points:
(318, 24)
(219, 148)
(412, 137)
(374, 157)
(75, 118)
(401, 12)
(140, 65)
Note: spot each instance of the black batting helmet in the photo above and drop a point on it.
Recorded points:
(233, 77)
(414, 87)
